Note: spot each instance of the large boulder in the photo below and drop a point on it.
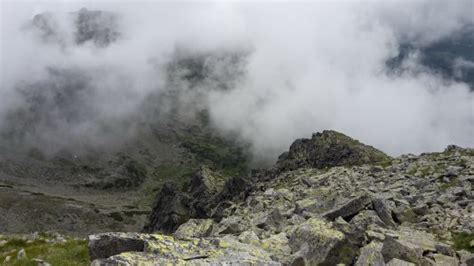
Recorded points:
(313, 240)
(397, 262)
(384, 211)
(328, 149)
(349, 208)
(371, 255)
(156, 249)
(104, 245)
(409, 245)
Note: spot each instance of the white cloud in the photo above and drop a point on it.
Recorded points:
(311, 66)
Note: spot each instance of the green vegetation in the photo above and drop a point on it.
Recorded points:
(136, 170)
(179, 174)
(463, 241)
(221, 154)
(451, 183)
(225, 157)
(384, 163)
(71, 253)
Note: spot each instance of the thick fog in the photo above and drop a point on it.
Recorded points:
(273, 72)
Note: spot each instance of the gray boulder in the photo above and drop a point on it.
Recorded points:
(170, 210)
(409, 245)
(397, 262)
(104, 245)
(313, 241)
(349, 208)
(371, 255)
(384, 211)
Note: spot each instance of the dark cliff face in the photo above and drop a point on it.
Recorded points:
(169, 210)
(206, 195)
(101, 28)
(328, 149)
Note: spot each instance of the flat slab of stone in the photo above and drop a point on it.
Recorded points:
(397, 262)
(349, 208)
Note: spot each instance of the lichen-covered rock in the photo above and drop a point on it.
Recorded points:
(232, 225)
(409, 245)
(384, 211)
(278, 246)
(156, 249)
(249, 237)
(195, 228)
(365, 218)
(371, 255)
(466, 258)
(397, 262)
(314, 239)
(328, 149)
(441, 259)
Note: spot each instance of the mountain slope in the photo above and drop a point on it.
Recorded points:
(416, 209)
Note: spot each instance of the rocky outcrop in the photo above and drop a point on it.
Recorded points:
(207, 195)
(411, 210)
(101, 28)
(328, 149)
(170, 210)
(98, 27)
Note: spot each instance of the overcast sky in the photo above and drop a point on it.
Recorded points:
(309, 66)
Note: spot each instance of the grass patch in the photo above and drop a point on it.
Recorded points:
(225, 156)
(71, 253)
(453, 182)
(463, 241)
(163, 173)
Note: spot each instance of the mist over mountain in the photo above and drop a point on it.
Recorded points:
(229, 133)
(79, 77)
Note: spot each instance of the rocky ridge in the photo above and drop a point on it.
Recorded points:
(348, 203)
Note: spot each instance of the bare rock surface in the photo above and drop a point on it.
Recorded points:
(410, 210)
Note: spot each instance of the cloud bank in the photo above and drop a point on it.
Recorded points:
(267, 72)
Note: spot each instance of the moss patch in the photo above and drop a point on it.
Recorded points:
(463, 241)
(221, 154)
(453, 182)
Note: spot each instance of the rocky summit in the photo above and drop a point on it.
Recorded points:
(329, 200)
